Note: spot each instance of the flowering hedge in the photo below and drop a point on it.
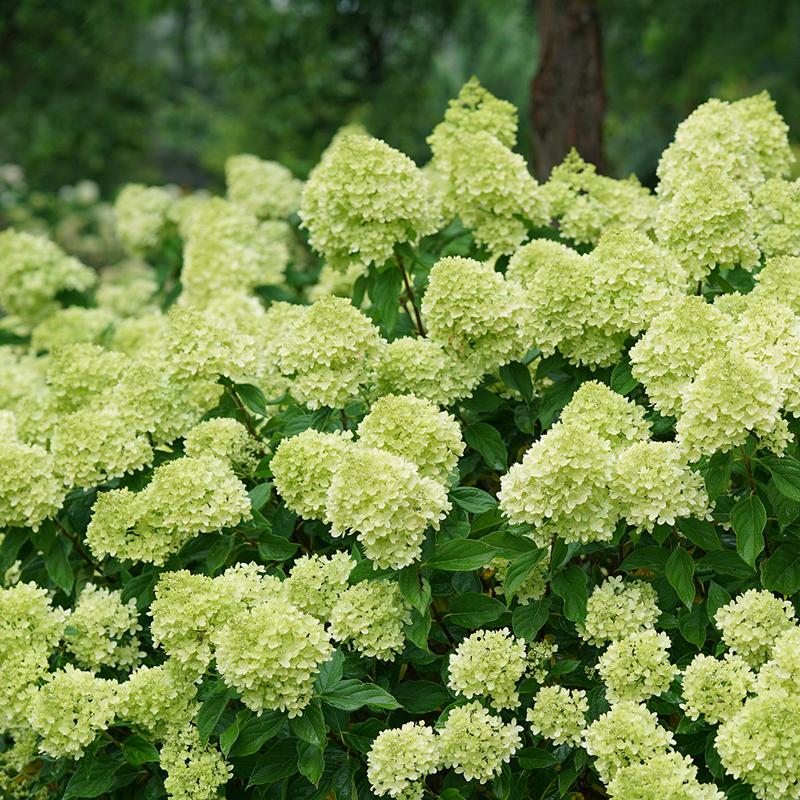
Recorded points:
(412, 482)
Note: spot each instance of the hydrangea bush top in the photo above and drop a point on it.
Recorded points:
(412, 482)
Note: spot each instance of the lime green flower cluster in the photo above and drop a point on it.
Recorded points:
(363, 198)
(400, 759)
(225, 439)
(142, 215)
(102, 630)
(33, 271)
(186, 496)
(617, 609)
(585, 204)
(195, 770)
(776, 206)
(489, 664)
(127, 289)
(71, 325)
(265, 188)
(559, 714)
(715, 688)
(316, 582)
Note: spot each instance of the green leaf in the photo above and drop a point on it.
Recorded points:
(471, 610)
(421, 697)
(415, 590)
(310, 761)
(351, 694)
(472, 500)
(93, 777)
(718, 474)
(461, 555)
(330, 672)
(785, 473)
(278, 762)
(57, 564)
(570, 586)
(700, 533)
(517, 377)
(725, 562)
(211, 711)
(692, 623)
(259, 495)
(622, 381)
(509, 545)
(555, 398)
(529, 619)
(680, 574)
(781, 572)
(272, 547)
(718, 596)
(252, 397)
(137, 750)
(384, 291)
(310, 726)
(229, 736)
(648, 557)
(218, 553)
(489, 443)
(256, 732)
(532, 758)
(519, 570)
(418, 630)
(11, 545)
(748, 519)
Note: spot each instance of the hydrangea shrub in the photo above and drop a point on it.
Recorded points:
(412, 481)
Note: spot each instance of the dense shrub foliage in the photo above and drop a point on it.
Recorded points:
(412, 482)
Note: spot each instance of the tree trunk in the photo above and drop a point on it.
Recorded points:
(568, 97)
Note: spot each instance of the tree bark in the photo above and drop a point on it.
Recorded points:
(568, 99)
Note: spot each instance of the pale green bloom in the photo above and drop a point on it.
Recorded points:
(637, 667)
(559, 714)
(715, 688)
(195, 771)
(616, 609)
(141, 214)
(265, 188)
(401, 758)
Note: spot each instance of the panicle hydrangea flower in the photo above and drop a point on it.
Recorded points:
(489, 664)
(637, 667)
(752, 623)
(95, 444)
(33, 270)
(617, 609)
(244, 586)
(265, 188)
(732, 395)
(102, 630)
(616, 419)
(780, 280)
(416, 430)
(776, 208)
(626, 734)
(70, 709)
(708, 222)
(540, 655)
(782, 671)
(654, 486)
(770, 133)
(29, 489)
(141, 214)
(426, 369)
(303, 467)
(227, 249)
(681, 339)
(633, 280)
(476, 743)
(225, 439)
(663, 776)
(559, 714)
(127, 289)
(185, 497)
(73, 325)
(195, 771)
(470, 308)
(371, 616)
(400, 759)
(532, 588)
(158, 699)
(384, 500)
(77, 373)
(184, 613)
(330, 353)
(362, 199)
(561, 484)
(271, 654)
(760, 745)
(715, 688)
(524, 265)
(139, 337)
(585, 203)
(315, 582)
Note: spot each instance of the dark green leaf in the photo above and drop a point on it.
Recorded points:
(509, 545)
(211, 711)
(781, 572)
(701, 533)
(421, 697)
(622, 381)
(489, 443)
(310, 726)
(416, 590)
(256, 732)
(275, 548)
(725, 562)
(718, 474)
(692, 623)
(384, 291)
(137, 750)
(785, 473)
(310, 761)
(330, 672)
(519, 570)
(278, 762)
(471, 610)
(517, 377)
(648, 557)
(57, 564)
(528, 620)
(460, 555)
(680, 574)
(718, 596)
(570, 586)
(229, 736)
(259, 495)
(418, 630)
(749, 518)
(473, 500)
(351, 694)
(93, 777)
(532, 758)
(253, 398)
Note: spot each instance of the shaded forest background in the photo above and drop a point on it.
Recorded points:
(164, 90)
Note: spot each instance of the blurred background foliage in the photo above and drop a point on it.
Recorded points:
(164, 90)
